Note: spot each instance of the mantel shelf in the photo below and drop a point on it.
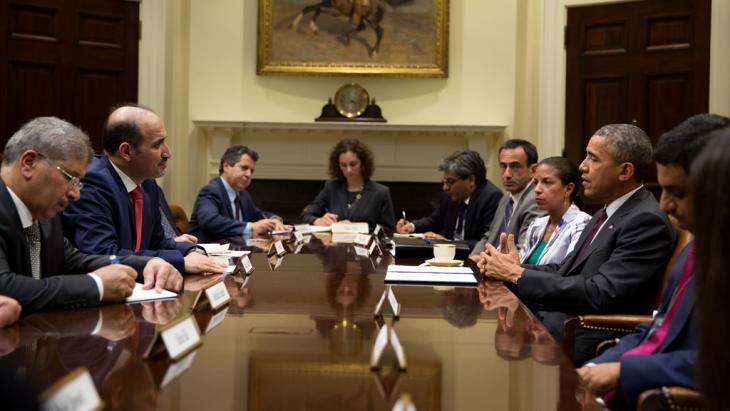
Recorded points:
(345, 126)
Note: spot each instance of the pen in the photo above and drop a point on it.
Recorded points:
(404, 215)
(113, 259)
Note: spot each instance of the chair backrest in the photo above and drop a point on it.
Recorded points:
(181, 219)
(683, 237)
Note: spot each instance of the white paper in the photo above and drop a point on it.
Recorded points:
(213, 248)
(411, 235)
(305, 228)
(230, 253)
(138, 294)
(428, 269)
(280, 232)
(435, 278)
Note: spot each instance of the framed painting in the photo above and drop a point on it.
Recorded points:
(398, 38)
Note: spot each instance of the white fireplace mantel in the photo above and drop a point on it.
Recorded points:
(299, 151)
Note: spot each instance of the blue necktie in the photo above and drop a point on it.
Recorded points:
(505, 221)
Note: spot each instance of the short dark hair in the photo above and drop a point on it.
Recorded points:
(465, 163)
(566, 171)
(234, 153)
(628, 144)
(118, 132)
(529, 148)
(363, 153)
(683, 143)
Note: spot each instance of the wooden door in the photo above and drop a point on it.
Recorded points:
(72, 59)
(642, 62)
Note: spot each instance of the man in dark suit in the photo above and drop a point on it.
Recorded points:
(224, 209)
(620, 256)
(119, 208)
(467, 205)
(516, 210)
(662, 352)
(41, 173)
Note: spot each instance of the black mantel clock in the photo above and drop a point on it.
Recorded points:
(352, 103)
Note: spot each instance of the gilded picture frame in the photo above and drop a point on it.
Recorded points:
(340, 37)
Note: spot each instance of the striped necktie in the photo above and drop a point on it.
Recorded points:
(33, 234)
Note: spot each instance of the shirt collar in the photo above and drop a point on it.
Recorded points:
(129, 185)
(26, 219)
(517, 197)
(231, 192)
(617, 203)
(467, 200)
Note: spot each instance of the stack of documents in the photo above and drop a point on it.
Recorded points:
(408, 274)
(309, 229)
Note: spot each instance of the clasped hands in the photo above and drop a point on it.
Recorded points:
(502, 263)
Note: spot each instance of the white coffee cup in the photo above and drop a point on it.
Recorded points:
(444, 252)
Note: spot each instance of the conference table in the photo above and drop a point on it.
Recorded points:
(298, 335)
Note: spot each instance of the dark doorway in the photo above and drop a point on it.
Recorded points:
(642, 62)
(72, 59)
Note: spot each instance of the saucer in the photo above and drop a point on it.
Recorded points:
(448, 263)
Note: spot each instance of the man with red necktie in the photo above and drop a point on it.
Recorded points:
(662, 352)
(118, 211)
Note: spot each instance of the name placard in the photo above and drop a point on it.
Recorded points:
(218, 295)
(298, 236)
(181, 337)
(399, 352)
(299, 248)
(280, 249)
(363, 240)
(350, 228)
(246, 264)
(389, 296)
(74, 392)
(373, 247)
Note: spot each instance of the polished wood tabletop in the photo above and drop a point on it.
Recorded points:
(298, 336)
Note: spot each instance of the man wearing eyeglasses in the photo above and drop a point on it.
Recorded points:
(517, 161)
(467, 205)
(40, 176)
(118, 211)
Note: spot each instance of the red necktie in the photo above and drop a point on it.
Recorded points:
(138, 202)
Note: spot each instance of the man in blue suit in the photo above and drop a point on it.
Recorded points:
(224, 209)
(662, 352)
(119, 209)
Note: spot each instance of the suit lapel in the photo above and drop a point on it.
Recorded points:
(498, 217)
(125, 202)
(683, 315)
(607, 230)
(15, 227)
(224, 196)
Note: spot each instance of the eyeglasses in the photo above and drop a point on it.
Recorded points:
(450, 181)
(72, 180)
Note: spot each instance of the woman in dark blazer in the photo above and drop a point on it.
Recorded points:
(351, 196)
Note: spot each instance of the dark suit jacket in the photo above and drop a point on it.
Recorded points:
(102, 220)
(482, 205)
(64, 283)
(373, 207)
(622, 268)
(523, 213)
(213, 218)
(674, 361)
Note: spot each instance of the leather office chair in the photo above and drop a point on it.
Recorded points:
(180, 218)
(620, 323)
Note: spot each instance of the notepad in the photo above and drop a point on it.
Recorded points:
(405, 274)
(213, 248)
(139, 294)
